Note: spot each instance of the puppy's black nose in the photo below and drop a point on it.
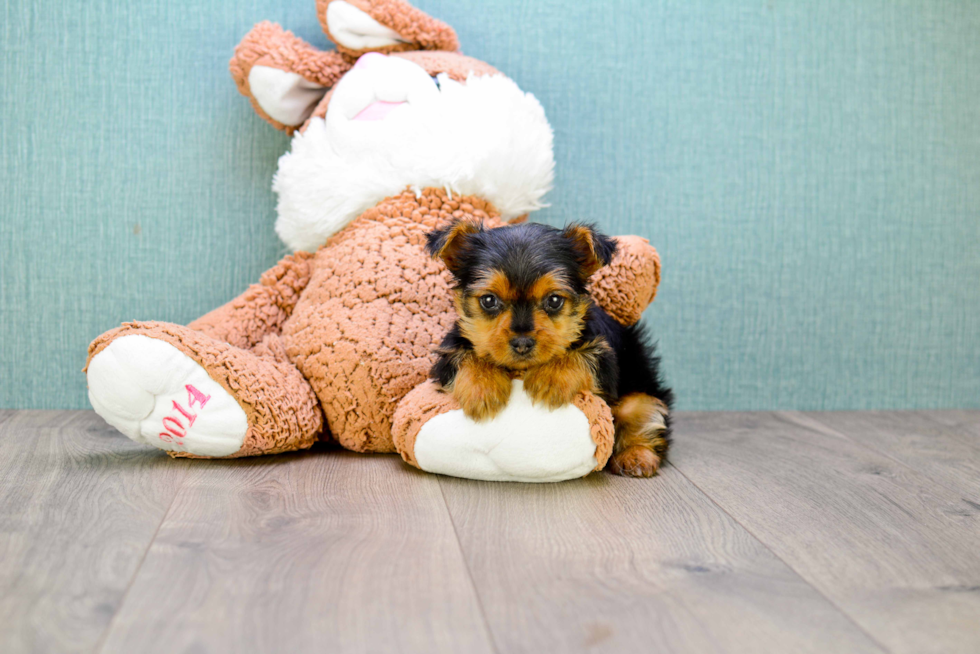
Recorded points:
(522, 344)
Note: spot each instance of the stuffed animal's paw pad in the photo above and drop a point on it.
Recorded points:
(157, 395)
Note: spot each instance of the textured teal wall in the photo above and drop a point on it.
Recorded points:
(810, 173)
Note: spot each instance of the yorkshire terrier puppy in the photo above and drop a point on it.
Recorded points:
(524, 308)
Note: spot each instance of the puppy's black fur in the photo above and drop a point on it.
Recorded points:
(638, 365)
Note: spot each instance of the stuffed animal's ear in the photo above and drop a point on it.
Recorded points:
(593, 249)
(282, 75)
(360, 26)
(451, 242)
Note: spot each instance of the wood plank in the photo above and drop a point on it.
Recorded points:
(607, 564)
(886, 544)
(943, 445)
(966, 420)
(318, 551)
(79, 505)
(7, 414)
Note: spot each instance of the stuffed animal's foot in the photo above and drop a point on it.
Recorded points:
(524, 442)
(183, 391)
(157, 395)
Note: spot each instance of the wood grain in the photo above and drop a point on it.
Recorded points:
(7, 414)
(607, 564)
(890, 547)
(943, 445)
(319, 551)
(79, 506)
(769, 532)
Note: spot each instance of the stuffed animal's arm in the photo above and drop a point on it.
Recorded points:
(263, 308)
(283, 75)
(629, 283)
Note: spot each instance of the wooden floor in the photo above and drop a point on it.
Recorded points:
(770, 532)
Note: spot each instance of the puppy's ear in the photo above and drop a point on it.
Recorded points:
(450, 242)
(592, 248)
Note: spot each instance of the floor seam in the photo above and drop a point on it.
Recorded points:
(799, 574)
(112, 621)
(825, 428)
(469, 573)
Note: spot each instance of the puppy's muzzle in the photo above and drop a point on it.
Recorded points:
(522, 345)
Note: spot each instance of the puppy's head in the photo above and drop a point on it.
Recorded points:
(521, 291)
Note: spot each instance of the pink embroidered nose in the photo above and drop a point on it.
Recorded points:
(367, 60)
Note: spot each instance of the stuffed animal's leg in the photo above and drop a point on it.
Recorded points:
(185, 392)
(524, 442)
(263, 308)
(283, 75)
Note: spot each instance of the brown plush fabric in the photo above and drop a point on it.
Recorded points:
(279, 403)
(365, 329)
(263, 308)
(600, 420)
(268, 44)
(627, 286)
(422, 404)
(423, 32)
(426, 401)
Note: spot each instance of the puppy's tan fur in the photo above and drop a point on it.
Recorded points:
(491, 335)
(558, 381)
(640, 422)
(481, 388)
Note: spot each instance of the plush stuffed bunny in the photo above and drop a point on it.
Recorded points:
(394, 134)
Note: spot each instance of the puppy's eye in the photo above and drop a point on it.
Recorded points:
(489, 302)
(435, 78)
(554, 302)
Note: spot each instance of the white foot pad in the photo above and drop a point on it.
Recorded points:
(523, 442)
(155, 394)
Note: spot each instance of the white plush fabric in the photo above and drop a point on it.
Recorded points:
(354, 29)
(524, 442)
(286, 97)
(135, 383)
(485, 138)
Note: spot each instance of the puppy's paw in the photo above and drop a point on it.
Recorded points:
(481, 389)
(642, 435)
(635, 461)
(556, 384)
